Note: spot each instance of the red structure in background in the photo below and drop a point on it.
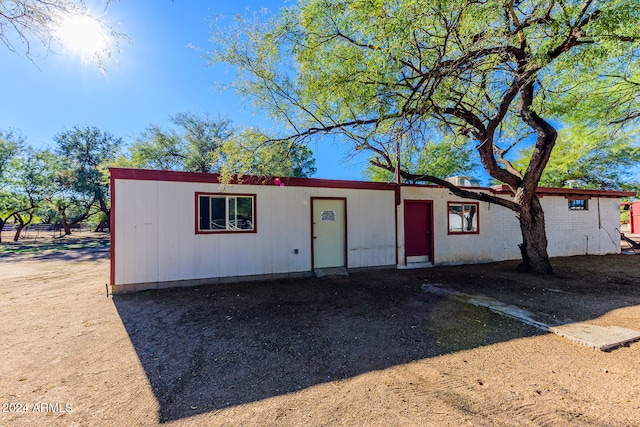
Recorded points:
(634, 217)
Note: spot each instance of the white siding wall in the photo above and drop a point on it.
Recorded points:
(593, 231)
(371, 229)
(507, 235)
(155, 239)
(450, 248)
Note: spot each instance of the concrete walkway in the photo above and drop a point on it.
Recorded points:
(602, 338)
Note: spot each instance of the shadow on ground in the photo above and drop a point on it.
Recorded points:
(212, 347)
(582, 288)
(62, 250)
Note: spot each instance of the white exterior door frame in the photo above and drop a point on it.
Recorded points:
(328, 232)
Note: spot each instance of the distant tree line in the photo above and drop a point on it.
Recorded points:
(69, 184)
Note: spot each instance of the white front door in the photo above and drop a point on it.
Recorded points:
(329, 233)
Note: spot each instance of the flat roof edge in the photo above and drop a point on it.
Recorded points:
(214, 178)
(551, 191)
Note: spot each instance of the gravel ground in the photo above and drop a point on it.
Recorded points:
(368, 349)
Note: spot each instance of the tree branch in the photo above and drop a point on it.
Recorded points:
(466, 194)
(544, 143)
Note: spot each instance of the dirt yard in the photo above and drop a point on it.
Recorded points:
(371, 349)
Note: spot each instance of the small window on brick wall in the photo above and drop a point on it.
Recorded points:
(218, 213)
(463, 218)
(578, 204)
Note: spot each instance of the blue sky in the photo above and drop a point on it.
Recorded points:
(157, 75)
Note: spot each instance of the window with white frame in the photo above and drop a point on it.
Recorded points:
(225, 212)
(463, 217)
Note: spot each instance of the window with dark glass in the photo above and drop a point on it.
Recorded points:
(225, 213)
(578, 205)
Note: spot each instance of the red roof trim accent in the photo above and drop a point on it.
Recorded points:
(175, 176)
(214, 178)
(112, 234)
(566, 192)
(583, 197)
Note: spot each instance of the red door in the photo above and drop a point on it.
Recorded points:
(418, 226)
(634, 218)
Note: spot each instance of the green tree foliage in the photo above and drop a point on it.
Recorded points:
(609, 95)
(586, 158)
(194, 145)
(497, 71)
(246, 154)
(10, 147)
(81, 175)
(30, 183)
(443, 158)
(205, 144)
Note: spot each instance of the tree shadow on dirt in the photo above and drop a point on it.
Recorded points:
(213, 347)
(68, 254)
(582, 288)
(83, 246)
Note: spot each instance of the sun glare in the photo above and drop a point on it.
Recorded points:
(85, 35)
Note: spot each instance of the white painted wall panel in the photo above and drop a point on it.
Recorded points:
(289, 228)
(610, 230)
(505, 233)
(172, 256)
(451, 248)
(155, 239)
(124, 212)
(371, 229)
(592, 231)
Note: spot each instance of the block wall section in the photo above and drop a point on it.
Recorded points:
(594, 231)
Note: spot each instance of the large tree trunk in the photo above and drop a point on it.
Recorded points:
(100, 227)
(22, 223)
(16, 236)
(106, 210)
(535, 259)
(65, 225)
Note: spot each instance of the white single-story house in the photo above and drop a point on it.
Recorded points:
(173, 229)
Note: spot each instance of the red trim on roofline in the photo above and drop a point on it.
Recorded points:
(112, 232)
(214, 178)
(567, 192)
